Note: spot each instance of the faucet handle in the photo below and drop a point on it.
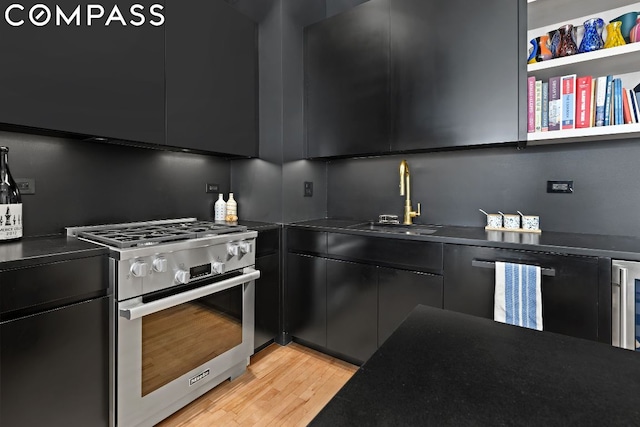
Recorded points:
(418, 213)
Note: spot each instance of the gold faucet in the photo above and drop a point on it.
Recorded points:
(405, 188)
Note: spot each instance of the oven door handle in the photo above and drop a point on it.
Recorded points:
(144, 309)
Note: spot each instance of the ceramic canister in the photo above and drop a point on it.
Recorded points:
(494, 221)
(511, 221)
(530, 222)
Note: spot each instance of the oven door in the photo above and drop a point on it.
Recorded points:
(175, 348)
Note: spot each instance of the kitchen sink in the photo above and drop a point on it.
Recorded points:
(413, 229)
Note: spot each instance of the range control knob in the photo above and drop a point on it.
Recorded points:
(245, 247)
(160, 265)
(182, 277)
(218, 267)
(232, 249)
(139, 269)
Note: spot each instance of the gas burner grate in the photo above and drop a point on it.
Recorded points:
(146, 234)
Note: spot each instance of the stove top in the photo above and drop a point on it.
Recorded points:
(149, 233)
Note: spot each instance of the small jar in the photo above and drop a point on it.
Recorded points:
(511, 221)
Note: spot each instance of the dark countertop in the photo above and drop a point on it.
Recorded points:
(38, 250)
(445, 368)
(258, 225)
(617, 247)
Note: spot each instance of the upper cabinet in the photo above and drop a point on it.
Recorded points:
(101, 80)
(456, 73)
(450, 74)
(347, 82)
(622, 62)
(212, 78)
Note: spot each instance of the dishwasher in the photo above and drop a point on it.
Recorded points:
(54, 344)
(625, 304)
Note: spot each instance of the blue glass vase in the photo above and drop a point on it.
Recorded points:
(592, 39)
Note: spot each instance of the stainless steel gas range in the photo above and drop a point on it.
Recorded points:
(184, 315)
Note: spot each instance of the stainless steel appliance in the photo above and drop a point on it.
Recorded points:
(185, 311)
(625, 304)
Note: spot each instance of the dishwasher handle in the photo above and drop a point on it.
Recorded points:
(492, 265)
(143, 309)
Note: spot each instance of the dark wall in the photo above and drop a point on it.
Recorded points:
(271, 189)
(81, 183)
(452, 186)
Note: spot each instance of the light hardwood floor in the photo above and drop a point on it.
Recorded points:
(283, 386)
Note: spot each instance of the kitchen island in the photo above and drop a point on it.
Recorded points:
(446, 368)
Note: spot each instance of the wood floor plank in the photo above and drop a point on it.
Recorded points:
(283, 386)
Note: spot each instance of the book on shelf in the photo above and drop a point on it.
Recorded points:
(626, 107)
(583, 101)
(636, 91)
(634, 105)
(531, 104)
(607, 101)
(568, 85)
(545, 107)
(600, 92)
(538, 106)
(555, 103)
(618, 102)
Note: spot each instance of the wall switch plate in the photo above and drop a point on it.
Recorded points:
(212, 188)
(26, 185)
(564, 187)
(308, 189)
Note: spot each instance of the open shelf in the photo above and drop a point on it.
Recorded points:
(616, 60)
(586, 134)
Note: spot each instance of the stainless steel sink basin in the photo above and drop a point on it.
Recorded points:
(415, 229)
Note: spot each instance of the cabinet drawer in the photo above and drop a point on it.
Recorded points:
(408, 254)
(61, 282)
(306, 241)
(268, 242)
(569, 298)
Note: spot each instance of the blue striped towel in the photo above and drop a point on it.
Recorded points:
(518, 295)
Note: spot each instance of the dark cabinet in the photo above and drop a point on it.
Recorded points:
(352, 309)
(347, 82)
(415, 75)
(212, 77)
(569, 298)
(399, 291)
(267, 308)
(306, 299)
(456, 72)
(59, 361)
(98, 80)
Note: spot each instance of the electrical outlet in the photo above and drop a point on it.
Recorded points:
(26, 185)
(212, 188)
(308, 189)
(560, 187)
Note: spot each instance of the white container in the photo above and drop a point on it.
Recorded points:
(232, 209)
(494, 221)
(219, 209)
(530, 222)
(511, 221)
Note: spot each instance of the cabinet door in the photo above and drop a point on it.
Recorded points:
(569, 299)
(267, 300)
(54, 367)
(352, 309)
(211, 78)
(399, 291)
(456, 73)
(306, 299)
(99, 80)
(347, 82)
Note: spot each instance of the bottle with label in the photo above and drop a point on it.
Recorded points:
(219, 209)
(10, 201)
(232, 209)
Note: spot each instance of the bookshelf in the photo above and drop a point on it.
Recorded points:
(621, 61)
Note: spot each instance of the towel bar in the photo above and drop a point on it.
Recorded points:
(492, 265)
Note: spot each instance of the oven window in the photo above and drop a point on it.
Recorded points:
(181, 338)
